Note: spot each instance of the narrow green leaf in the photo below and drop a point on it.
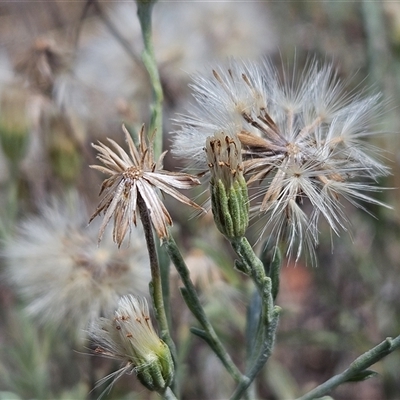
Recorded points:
(362, 376)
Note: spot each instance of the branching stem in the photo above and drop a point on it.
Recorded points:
(359, 365)
(193, 302)
(269, 314)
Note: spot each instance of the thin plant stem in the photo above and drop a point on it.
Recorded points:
(359, 365)
(192, 300)
(144, 13)
(169, 394)
(164, 263)
(261, 359)
(268, 323)
(156, 284)
(256, 269)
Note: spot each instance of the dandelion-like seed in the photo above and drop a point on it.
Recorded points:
(130, 338)
(300, 141)
(55, 264)
(133, 178)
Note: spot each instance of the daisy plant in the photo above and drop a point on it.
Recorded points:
(298, 140)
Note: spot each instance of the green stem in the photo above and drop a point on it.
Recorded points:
(169, 395)
(156, 283)
(268, 323)
(256, 269)
(144, 13)
(263, 356)
(192, 300)
(357, 366)
(164, 263)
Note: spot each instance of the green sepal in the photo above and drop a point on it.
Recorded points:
(167, 365)
(145, 377)
(230, 208)
(157, 373)
(220, 205)
(234, 211)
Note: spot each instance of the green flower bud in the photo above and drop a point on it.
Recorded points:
(229, 195)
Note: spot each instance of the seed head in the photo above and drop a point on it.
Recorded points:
(54, 263)
(130, 338)
(302, 140)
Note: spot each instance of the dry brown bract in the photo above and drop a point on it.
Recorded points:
(134, 176)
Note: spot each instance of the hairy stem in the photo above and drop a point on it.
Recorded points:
(169, 394)
(156, 282)
(192, 300)
(257, 272)
(357, 366)
(269, 314)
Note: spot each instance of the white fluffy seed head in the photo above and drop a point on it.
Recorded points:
(66, 279)
(302, 138)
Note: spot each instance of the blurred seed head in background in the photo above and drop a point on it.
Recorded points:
(64, 277)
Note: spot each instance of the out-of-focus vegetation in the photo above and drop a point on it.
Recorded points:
(70, 74)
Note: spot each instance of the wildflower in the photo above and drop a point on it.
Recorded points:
(229, 196)
(131, 338)
(66, 279)
(301, 142)
(133, 177)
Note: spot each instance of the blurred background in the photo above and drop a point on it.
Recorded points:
(71, 74)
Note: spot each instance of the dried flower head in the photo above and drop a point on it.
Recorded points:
(229, 197)
(133, 177)
(67, 280)
(224, 158)
(301, 140)
(130, 338)
(42, 63)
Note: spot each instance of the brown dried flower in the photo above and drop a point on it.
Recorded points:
(136, 176)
